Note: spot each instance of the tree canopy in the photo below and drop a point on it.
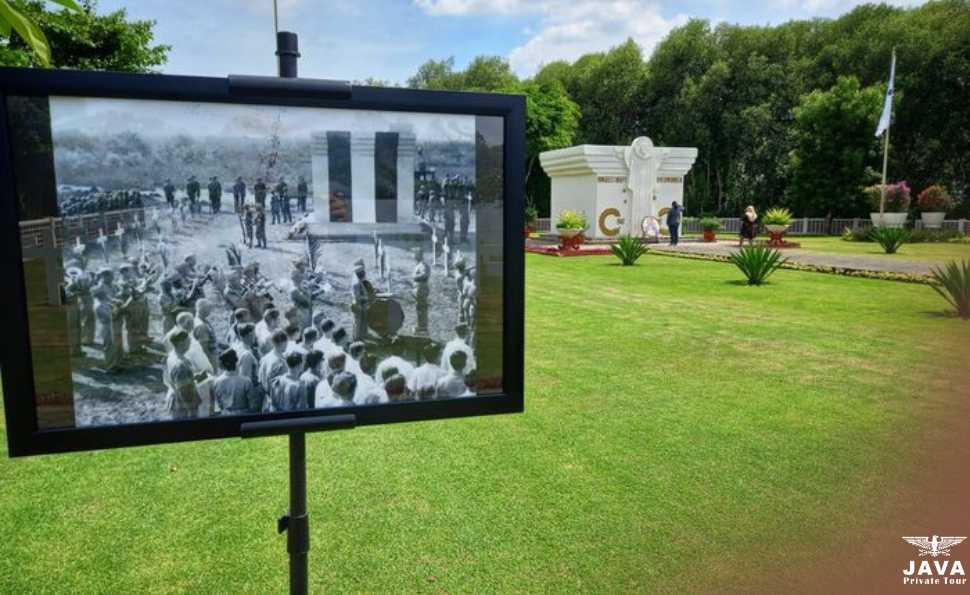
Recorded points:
(85, 39)
(735, 92)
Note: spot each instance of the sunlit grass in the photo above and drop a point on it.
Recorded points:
(679, 426)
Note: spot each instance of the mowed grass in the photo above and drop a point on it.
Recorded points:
(681, 431)
(935, 252)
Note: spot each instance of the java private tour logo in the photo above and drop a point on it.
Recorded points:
(937, 566)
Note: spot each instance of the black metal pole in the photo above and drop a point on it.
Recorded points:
(287, 52)
(298, 523)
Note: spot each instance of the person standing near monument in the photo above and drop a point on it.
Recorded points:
(421, 288)
(215, 195)
(265, 329)
(134, 310)
(239, 195)
(169, 190)
(339, 393)
(674, 216)
(362, 294)
(312, 376)
(453, 384)
(203, 332)
(183, 398)
(248, 226)
(289, 392)
(260, 224)
(272, 366)
(275, 207)
(231, 390)
(106, 309)
(749, 226)
(193, 190)
(302, 190)
(283, 194)
(78, 289)
(424, 382)
(259, 193)
(248, 363)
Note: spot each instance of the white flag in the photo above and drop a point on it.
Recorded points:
(887, 108)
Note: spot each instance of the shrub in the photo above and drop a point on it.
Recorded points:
(856, 235)
(777, 217)
(711, 224)
(628, 249)
(898, 197)
(917, 236)
(757, 262)
(935, 199)
(953, 284)
(531, 213)
(890, 238)
(571, 220)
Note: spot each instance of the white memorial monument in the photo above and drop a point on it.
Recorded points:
(621, 190)
(366, 201)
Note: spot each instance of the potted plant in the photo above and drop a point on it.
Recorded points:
(896, 207)
(570, 224)
(710, 225)
(777, 221)
(531, 217)
(933, 203)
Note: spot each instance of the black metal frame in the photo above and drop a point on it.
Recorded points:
(23, 436)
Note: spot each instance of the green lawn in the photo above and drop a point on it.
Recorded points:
(939, 252)
(681, 429)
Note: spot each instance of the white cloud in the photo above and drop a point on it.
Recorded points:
(466, 7)
(567, 29)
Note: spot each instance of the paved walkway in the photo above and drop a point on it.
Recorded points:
(845, 261)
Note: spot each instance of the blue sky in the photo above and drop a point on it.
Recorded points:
(389, 39)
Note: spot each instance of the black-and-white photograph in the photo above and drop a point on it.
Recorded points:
(224, 259)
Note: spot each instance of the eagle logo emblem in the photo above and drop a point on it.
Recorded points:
(934, 546)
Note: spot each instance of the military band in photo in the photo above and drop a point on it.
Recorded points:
(225, 282)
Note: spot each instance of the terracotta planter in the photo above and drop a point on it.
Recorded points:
(933, 220)
(710, 235)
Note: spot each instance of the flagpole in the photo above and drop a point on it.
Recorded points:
(885, 148)
(885, 165)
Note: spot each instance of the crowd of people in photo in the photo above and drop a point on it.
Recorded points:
(284, 349)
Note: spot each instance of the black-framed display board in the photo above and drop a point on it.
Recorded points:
(183, 255)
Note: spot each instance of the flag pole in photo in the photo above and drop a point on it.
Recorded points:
(885, 121)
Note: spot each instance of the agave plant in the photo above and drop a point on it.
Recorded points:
(953, 283)
(628, 249)
(890, 238)
(757, 262)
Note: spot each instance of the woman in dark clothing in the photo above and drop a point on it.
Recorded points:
(749, 226)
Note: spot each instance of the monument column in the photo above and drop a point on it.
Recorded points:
(406, 150)
(363, 201)
(320, 177)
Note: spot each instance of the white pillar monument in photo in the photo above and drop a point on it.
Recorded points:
(363, 200)
(620, 189)
(361, 177)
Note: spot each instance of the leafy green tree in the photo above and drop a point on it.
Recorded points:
(83, 39)
(13, 20)
(835, 149)
(488, 73)
(552, 123)
(437, 75)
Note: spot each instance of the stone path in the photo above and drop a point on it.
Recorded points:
(808, 257)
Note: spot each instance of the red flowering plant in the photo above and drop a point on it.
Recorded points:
(898, 197)
(935, 199)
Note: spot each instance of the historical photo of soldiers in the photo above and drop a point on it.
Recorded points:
(242, 259)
